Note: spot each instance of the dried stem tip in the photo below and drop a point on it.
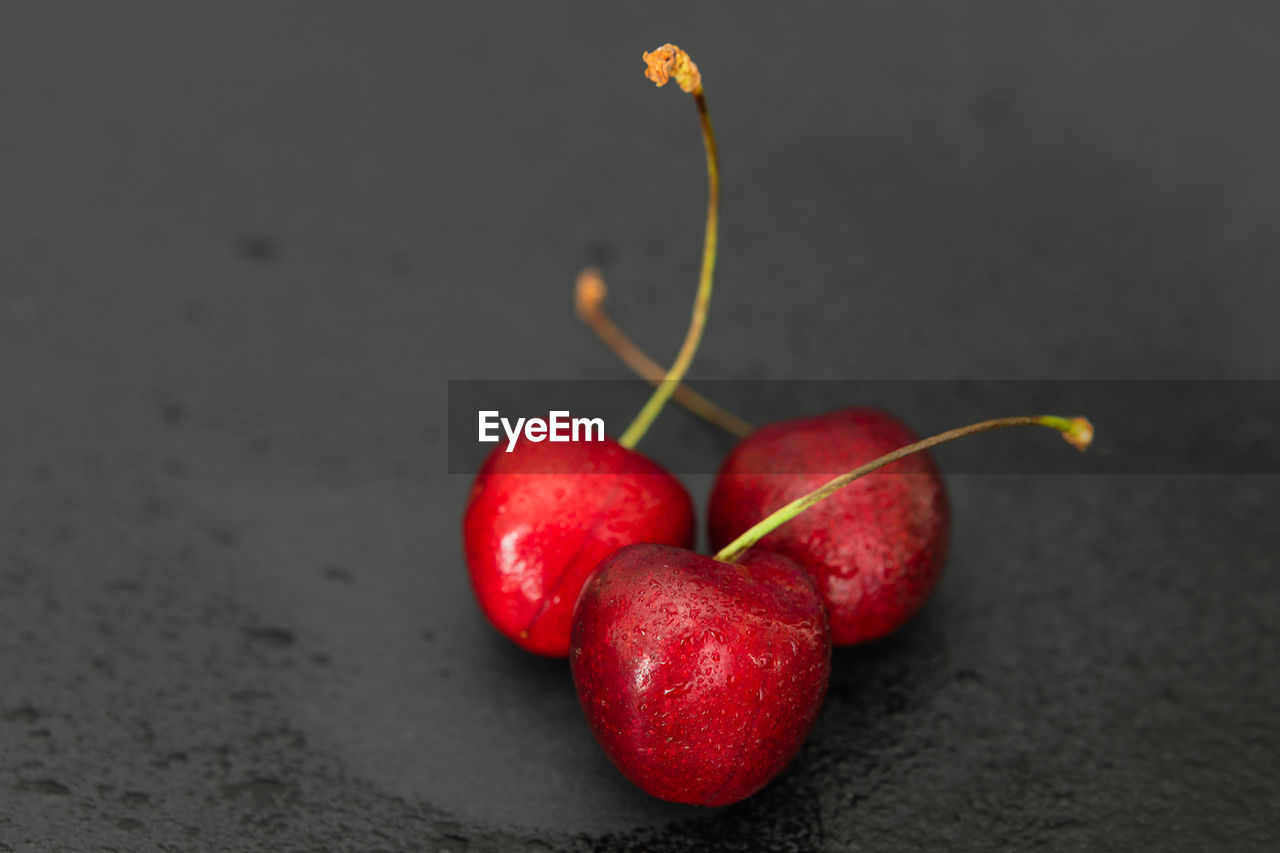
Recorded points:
(589, 294)
(1080, 434)
(670, 61)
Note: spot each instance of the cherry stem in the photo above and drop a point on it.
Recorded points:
(589, 304)
(669, 62)
(1077, 431)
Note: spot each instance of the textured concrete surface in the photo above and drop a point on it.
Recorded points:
(243, 247)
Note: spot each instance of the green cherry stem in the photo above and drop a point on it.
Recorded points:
(670, 62)
(1077, 431)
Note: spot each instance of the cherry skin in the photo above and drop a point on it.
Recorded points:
(541, 517)
(876, 547)
(700, 678)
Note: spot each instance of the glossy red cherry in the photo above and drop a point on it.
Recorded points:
(876, 547)
(541, 517)
(700, 678)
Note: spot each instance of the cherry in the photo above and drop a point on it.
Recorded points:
(876, 549)
(701, 677)
(539, 518)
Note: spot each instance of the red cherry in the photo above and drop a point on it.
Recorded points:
(700, 678)
(541, 517)
(876, 547)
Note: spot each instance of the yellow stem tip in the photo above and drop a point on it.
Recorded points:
(668, 62)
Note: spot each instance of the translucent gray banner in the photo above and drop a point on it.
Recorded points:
(1143, 427)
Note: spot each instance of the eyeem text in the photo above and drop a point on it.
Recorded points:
(559, 426)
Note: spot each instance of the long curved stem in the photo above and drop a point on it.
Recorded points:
(664, 62)
(589, 303)
(1077, 431)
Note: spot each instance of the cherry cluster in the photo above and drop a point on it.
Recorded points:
(701, 676)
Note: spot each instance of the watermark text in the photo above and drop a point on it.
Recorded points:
(559, 426)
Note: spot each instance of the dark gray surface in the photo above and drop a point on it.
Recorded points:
(245, 246)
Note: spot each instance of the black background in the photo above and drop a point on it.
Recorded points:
(244, 247)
